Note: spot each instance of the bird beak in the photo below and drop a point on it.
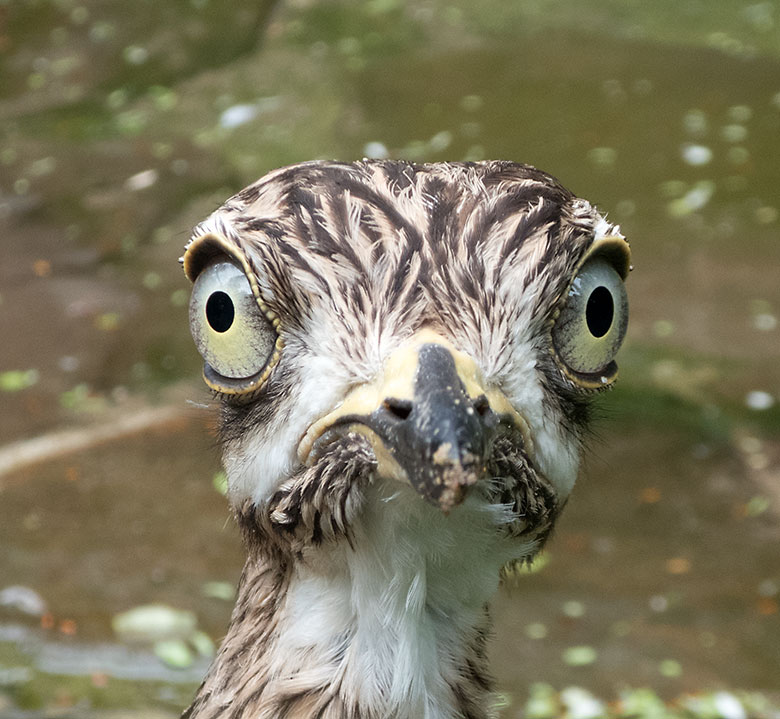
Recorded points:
(429, 419)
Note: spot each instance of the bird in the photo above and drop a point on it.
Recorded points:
(405, 358)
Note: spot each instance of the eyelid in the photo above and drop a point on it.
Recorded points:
(615, 249)
(204, 249)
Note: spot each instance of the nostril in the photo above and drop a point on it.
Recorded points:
(481, 405)
(399, 408)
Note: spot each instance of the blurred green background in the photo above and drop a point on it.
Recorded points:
(123, 124)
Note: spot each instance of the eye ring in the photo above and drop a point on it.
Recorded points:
(590, 322)
(222, 311)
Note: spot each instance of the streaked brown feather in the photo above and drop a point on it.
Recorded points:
(377, 249)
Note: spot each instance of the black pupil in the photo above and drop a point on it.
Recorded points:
(220, 311)
(600, 311)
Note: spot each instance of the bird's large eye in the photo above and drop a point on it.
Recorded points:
(230, 329)
(592, 323)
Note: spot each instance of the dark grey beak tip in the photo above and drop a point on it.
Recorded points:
(442, 437)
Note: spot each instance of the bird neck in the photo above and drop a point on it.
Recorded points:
(387, 624)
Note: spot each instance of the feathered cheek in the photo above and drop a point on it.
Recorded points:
(320, 502)
(530, 498)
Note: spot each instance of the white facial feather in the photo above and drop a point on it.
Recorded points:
(258, 463)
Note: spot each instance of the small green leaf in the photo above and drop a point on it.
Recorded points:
(219, 590)
(542, 702)
(670, 668)
(16, 380)
(536, 630)
(580, 656)
(643, 703)
(152, 622)
(220, 482)
(175, 653)
(107, 321)
(756, 506)
(202, 644)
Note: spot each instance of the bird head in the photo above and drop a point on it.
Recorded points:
(442, 328)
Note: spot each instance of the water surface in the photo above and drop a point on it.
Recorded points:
(119, 135)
